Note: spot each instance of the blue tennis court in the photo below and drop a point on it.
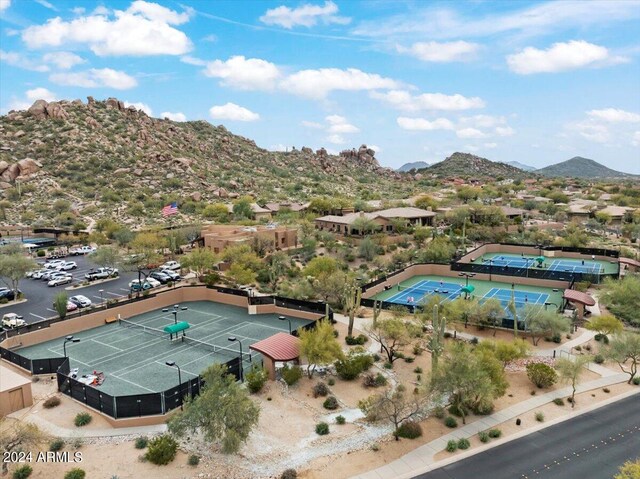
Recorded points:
(525, 262)
(521, 298)
(419, 292)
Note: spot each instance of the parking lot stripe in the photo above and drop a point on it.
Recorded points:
(114, 294)
(37, 316)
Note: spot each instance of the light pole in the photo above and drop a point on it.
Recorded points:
(101, 291)
(174, 311)
(467, 276)
(234, 339)
(172, 364)
(490, 268)
(283, 318)
(68, 339)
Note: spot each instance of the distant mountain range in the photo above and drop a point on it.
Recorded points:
(416, 165)
(578, 167)
(466, 164)
(521, 166)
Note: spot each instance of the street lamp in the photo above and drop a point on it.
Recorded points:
(490, 268)
(172, 364)
(174, 311)
(68, 339)
(101, 291)
(282, 318)
(467, 276)
(234, 339)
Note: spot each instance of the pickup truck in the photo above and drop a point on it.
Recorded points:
(81, 250)
(101, 273)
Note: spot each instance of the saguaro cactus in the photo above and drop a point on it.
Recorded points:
(436, 341)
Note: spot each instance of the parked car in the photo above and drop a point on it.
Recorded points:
(8, 294)
(163, 278)
(49, 274)
(12, 320)
(54, 263)
(101, 273)
(61, 279)
(172, 265)
(80, 250)
(147, 283)
(57, 254)
(80, 300)
(71, 306)
(36, 273)
(67, 266)
(172, 274)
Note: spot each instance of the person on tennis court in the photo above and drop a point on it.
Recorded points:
(526, 299)
(593, 257)
(582, 262)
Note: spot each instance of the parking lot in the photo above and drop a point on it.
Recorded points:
(40, 296)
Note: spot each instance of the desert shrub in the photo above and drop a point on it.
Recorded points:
(418, 370)
(540, 416)
(56, 445)
(162, 450)
(41, 253)
(340, 419)
(82, 419)
(52, 402)
(556, 338)
(494, 433)
(409, 359)
(606, 390)
(457, 412)
(558, 402)
(291, 375)
(636, 381)
(439, 412)
(360, 339)
(22, 472)
(452, 446)
(483, 436)
(193, 460)
(376, 357)
(474, 341)
(451, 422)
(330, 403)
(75, 473)
(320, 389)
(482, 408)
(381, 380)
(417, 350)
(463, 443)
(409, 430)
(598, 359)
(289, 474)
(331, 382)
(387, 365)
(541, 374)
(578, 348)
(369, 381)
(256, 378)
(587, 347)
(322, 429)
(141, 442)
(447, 335)
(351, 366)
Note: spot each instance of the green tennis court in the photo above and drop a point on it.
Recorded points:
(552, 263)
(132, 359)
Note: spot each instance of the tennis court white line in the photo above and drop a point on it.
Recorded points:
(123, 379)
(105, 344)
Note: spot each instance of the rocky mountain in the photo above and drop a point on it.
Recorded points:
(416, 165)
(468, 165)
(102, 159)
(579, 167)
(521, 166)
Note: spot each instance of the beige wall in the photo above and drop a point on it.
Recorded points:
(15, 399)
(528, 250)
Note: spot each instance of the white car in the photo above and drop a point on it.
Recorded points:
(12, 320)
(53, 264)
(37, 274)
(81, 300)
(172, 265)
(147, 283)
(58, 280)
(67, 266)
(81, 250)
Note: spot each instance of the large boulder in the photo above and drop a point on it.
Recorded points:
(3, 166)
(11, 173)
(28, 166)
(39, 109)
(55, 110)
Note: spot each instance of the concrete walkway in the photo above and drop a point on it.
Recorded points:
(416, 461)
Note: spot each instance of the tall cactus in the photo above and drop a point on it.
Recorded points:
(436, 341)
(377, 309)
(354, 297)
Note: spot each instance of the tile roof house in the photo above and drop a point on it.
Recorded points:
(383, 218)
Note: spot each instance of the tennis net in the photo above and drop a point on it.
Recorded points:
(140, 327)
(418, 289)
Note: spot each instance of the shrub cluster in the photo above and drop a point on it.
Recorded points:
(22, 472)
(340, 419)
(330, 403)
(82, 419)
(598, 359)
(52, 402)
(360, 339)
(162, 450)
(558, 402)
(451, 422)
(289, 474)
(541, 374)
(320, 389)
(141, 442)
(56, 445)
(291, 375)
(452, 446)
(256, 378)
(75, 473)
(409, 430)
(483, 436)
(322, 429)
(540, 416)
(193, 460)
(350, 367)
(374, 381)
(494, 433)
(463, 443)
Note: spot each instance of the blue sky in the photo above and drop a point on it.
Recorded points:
(536, 82)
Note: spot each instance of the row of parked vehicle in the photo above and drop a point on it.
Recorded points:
(165, 274)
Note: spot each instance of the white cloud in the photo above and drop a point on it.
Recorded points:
(614, 115)
(244, 73)
(31, 96)
(231, 111)
(470, 133)
(18, 60)
(317, 84)
(279, 147)
(63, 60)
(636, 139)
(305, 15)
(403, 100)
(143, 29)
(591, 131)
(490, 145)
(505, 131)
(339, 124)
(376, 148)
(483, 121)
(93, 78)
(46, 4)
(139, 106)
(311, 124)
(424, 124)
(441, 52)
(4, 4)
(177, 116)
(78, 10)
(336, 139)
(560, 57)
(193, 61)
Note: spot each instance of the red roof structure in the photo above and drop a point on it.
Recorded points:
(578, 297)
(279, 347)
(630, 261)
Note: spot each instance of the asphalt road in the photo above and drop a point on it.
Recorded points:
(591, 446)
(40, 296)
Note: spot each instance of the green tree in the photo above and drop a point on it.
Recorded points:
(605, 325)
(367, 249)
(146, 246)
(363, 226)
(60, 304)
(621, 297)
(222, 412)
(216, 211)
(123, 236)
(629, 470)
(319, 346)
(277, 266)
(570, 371)
(13, 267)
(242, 208)
(199, 260)
(425, 202)
(106, 256)
(440, 250)
(545, 323)
(505, 351)
(320, 266)
(332, 288)
(392, 334)
(421, 235)
(240, 275)
(624, 349)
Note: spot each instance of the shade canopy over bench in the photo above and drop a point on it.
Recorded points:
(281, 347)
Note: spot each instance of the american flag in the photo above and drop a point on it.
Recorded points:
(170, 209)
